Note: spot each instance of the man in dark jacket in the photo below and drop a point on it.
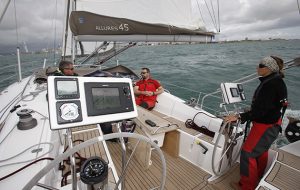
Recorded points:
(265, 115)
(65, 68)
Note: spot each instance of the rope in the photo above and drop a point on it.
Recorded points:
(50, 149)
(169, 125)
(22, 168)
(190, 123)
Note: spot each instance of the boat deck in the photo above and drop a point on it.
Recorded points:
(81, 134)
(286, 172)
(182, 174)
(183, 127)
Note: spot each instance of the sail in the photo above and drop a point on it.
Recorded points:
(170, 12)
(86, 23)
(3, 7)
(143, 20)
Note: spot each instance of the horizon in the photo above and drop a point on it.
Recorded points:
(39, 48)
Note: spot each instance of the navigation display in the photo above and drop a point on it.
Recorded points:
(79, 101)
(234, 92)
(104, 98)
(66, 88)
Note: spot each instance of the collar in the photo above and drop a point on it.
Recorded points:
(272, 75)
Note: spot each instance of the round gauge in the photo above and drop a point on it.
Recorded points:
(69, 111)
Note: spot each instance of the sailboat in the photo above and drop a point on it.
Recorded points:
(49, 141)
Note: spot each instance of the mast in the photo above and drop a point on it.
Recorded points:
(65, 39)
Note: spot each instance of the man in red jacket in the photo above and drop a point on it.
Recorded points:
(146, 90)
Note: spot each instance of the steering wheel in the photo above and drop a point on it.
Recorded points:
(231, 135)
(34, 181)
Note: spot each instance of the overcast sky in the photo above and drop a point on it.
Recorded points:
(255, 19)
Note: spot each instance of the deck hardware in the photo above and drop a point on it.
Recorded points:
(202, 145)
(26, 121)
(36, 150)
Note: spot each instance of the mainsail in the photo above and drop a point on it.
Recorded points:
(136, 20)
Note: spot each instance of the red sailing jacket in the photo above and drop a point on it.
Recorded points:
(148, 85)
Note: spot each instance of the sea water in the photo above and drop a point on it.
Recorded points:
(190, 70)
(202, 67)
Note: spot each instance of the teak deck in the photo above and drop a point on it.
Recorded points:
(181, 174)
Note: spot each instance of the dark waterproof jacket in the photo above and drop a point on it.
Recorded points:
(267, 100)
(57, 72)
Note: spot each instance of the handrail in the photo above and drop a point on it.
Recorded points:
(205, 95)
(199, 96)
(9, 77)
(14, 66)
(7, 66)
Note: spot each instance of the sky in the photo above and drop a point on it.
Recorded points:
(239, 19)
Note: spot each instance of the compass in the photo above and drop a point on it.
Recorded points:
(94, 171)
(69, 111)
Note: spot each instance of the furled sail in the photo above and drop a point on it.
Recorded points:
(142, 20)
(86, 23)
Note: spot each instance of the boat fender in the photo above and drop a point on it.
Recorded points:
(26, 121)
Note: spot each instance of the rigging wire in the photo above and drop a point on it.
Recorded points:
(219, 15)
(298, 6)
(213, 11)
(213, 21)
(53, 25)
(54, 40)
(200, 13)
(17, 32)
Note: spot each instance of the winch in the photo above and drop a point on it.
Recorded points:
(26, 120)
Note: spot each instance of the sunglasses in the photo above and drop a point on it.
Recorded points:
(142, 73)
(261, 66)
(69, 68)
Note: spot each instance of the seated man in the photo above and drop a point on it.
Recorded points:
(65, 68)
(146, 90)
